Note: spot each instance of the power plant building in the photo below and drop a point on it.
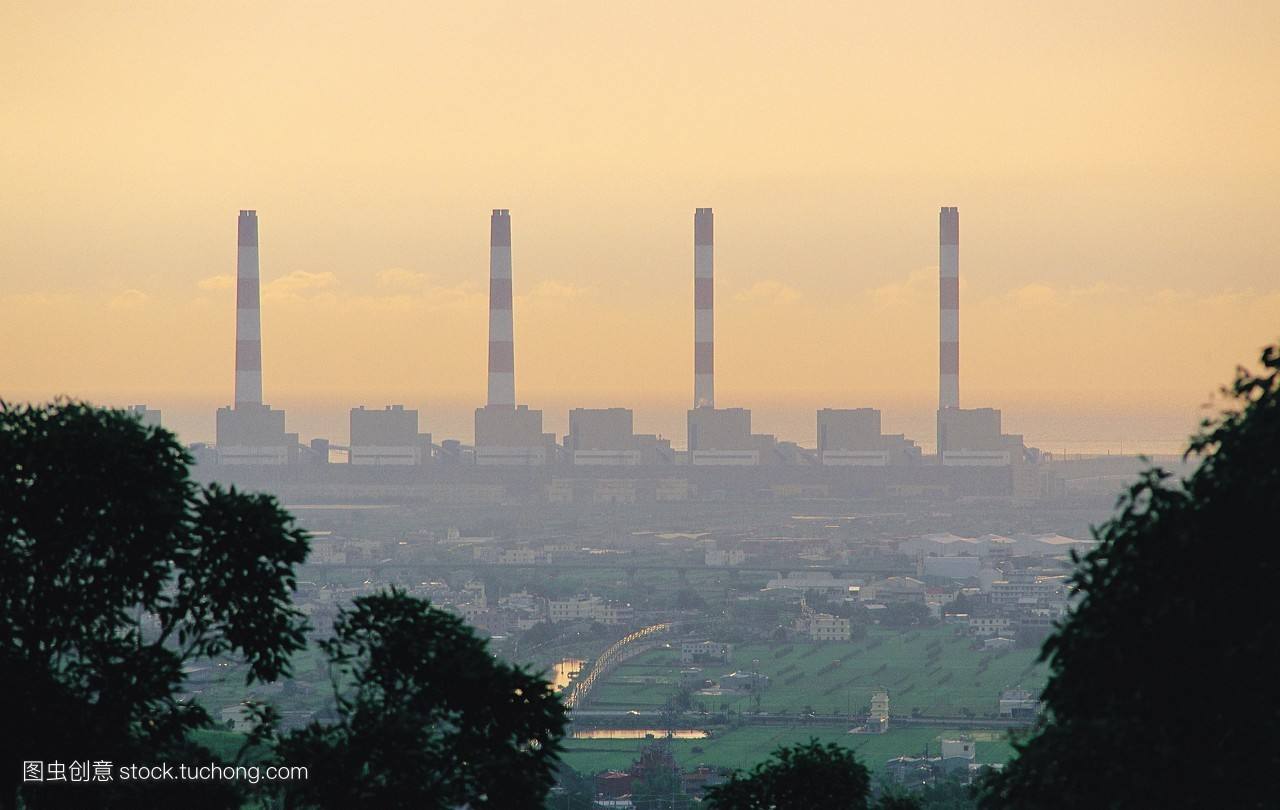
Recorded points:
(251, 433)
(147, 416)
(852, 438)
(502, 354)
(948, 315)
(722, 437)
(506, 434)
(388, 437)
(254, 435)
(716, 436)
(966, 438)
(949, 308)
(704, 395)
(601, 441)
(606, 437)
(512, 437)
(972, 438)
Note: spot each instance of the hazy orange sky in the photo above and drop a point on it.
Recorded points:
(1115, 166)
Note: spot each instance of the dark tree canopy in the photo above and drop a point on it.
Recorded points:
(427, 717)
(801, 777)
(115, 570)
(1160, 692)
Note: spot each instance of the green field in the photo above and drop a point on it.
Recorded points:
(931, 672)
(744, 746)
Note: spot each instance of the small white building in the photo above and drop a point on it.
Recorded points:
(823, 626)
(589, 608)
(1019, 703)
(693, 651)
(878, 717)
(725, 557)
(984, 626)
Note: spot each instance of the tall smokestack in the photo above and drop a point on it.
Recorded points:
(502, 362)
(248, 314)
(949, 308)
(704, 393)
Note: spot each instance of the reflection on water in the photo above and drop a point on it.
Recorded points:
(563, 672)
(639, 733)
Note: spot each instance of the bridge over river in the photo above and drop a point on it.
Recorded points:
(626, 647)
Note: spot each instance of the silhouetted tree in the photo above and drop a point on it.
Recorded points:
(661, 790)
(802, 777)
(901, 615)
(1160, 692)
(948, 793)
(116, 570)
(898, 801)
(689, 599)
(427, 718)
(573, 791)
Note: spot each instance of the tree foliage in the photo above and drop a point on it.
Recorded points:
(426, 717)
(1160, 691)
(116, 570)
(800, 777)
(661, 790)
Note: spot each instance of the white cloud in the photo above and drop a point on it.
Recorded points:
(1043, 295)
(768, 292)
(402, 279)
(220, 282)
(299, 283)
(557, 290)
(129, 299)
(915, 288)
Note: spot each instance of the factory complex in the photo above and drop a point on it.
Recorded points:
(602, 458)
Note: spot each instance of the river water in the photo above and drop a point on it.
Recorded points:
(563, 671)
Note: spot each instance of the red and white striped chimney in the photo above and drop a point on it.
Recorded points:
(949, 308)
(502, 362)
(704, 393)
(248, 313)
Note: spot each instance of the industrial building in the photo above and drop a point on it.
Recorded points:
(704, 395)
(853, 456)
(147, 416)
(605, 437)
(949, 308)
(719, 437)
(502, 354)
(722, 437)
(506, 434)
(852, 438)
(388, 437)
(249, 432)
(253, 433)
(512, 437)
(969, 437)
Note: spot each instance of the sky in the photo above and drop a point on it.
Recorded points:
(1115, 167)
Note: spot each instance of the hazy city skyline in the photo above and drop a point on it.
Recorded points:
(1117, 191)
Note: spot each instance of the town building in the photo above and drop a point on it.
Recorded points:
(724, 557)
(589, 608)
(822, 626)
